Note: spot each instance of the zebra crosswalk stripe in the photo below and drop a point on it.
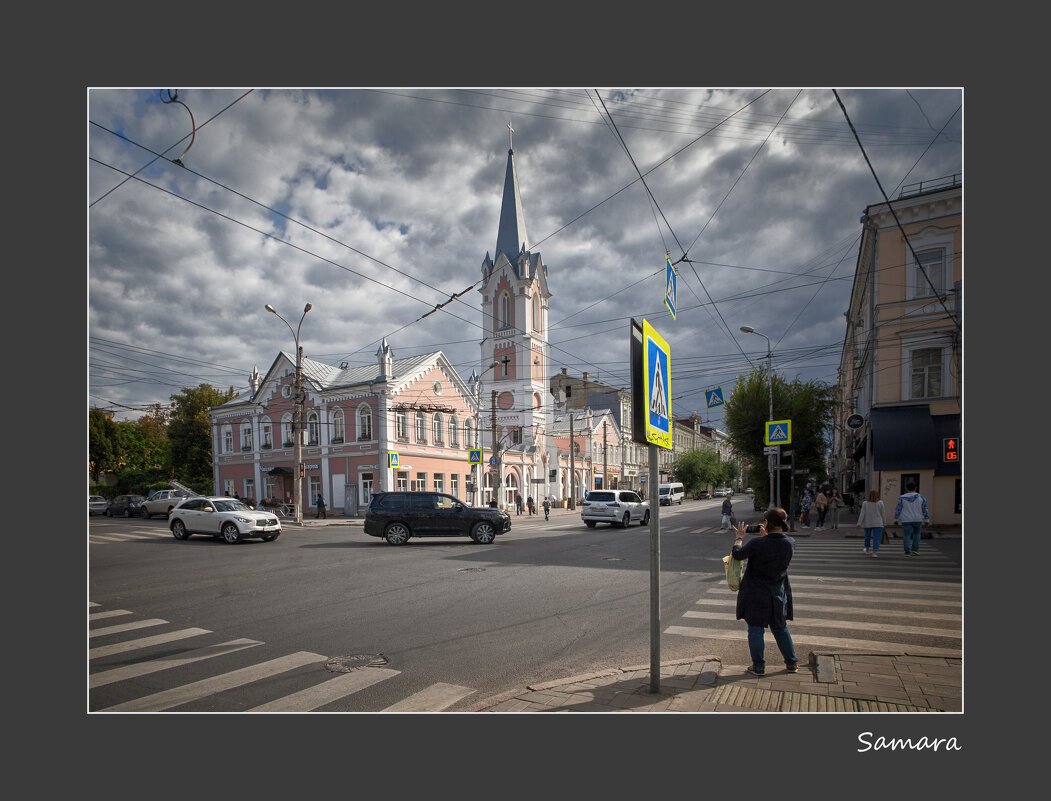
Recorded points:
(325, 693)
(144, 642)
(433, 699)
(820, 642)
(177, 696)
(137, 669)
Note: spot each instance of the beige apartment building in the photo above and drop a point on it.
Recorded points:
(900, 374)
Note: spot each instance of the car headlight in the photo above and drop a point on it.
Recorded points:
(242, 519)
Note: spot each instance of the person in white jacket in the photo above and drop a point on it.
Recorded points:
(872, 518)
(912, 512)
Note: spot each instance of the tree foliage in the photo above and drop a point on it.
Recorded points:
(810, 405)
(699, 469)
(190, 434)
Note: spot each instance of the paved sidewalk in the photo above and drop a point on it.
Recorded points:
(832, 682)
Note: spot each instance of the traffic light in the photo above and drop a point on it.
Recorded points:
(951, 449)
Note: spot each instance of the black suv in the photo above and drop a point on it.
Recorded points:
(397, 516)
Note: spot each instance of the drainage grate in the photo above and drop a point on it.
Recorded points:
(471, 570)
(346, 664)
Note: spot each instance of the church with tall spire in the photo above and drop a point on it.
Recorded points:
(515, 352)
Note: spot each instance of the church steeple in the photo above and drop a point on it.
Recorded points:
(511, 237)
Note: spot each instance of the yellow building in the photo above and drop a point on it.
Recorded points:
(900, 368)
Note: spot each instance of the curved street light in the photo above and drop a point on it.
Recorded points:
(747, 329)
(297, 413)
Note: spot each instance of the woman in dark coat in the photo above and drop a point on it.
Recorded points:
(765, 597)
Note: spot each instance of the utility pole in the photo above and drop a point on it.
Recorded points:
(605, 459)
(496, 474)
(572, 463)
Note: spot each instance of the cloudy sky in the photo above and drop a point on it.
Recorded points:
(377, 205)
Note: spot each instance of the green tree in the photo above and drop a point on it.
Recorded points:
(699, 469)
(190, 434)
(103, 444)
(810, 405)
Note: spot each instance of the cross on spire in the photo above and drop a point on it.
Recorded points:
(510, 132)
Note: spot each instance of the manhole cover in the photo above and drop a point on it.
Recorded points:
(471, 570)
(346, 664)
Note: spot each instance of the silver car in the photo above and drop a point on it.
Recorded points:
(161, 503)
(616, 507)
(97, 505)
(223, 517)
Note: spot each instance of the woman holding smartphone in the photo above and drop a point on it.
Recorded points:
(765, 596)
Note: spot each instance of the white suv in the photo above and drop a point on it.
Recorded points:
(616, 507)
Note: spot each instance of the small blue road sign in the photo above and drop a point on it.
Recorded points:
(474, 456)
(493, 461)
(714, 397)
(392, 459)
(670, 285)
(778, 432)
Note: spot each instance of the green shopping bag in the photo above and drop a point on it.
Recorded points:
(734, 571)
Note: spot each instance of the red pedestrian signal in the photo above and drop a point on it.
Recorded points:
(951, 449)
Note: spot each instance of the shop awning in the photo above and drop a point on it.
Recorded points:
(279, 471)
(903, 438)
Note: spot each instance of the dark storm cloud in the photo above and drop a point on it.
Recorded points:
(402, 189)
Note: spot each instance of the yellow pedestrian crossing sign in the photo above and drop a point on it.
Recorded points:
(392, 459)
(714, 397)
(778, 432)
(474, 456)
(657, 387)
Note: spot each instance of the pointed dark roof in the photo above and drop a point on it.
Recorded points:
(511, 238)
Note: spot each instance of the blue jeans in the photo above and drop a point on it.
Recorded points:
(873, 536)
(756, 646)
(910, 533)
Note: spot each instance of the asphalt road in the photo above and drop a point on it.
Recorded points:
(445, 622)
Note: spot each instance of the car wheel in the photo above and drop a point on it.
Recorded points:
(483, 533)
(179, 530)
(626, 521)
(271, 537)
(230, 533)
(396, 534)
(145, 515)
(108, 513)
(589, 523)
(645, 519)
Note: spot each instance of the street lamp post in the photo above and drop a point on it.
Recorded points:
(747, 329)
(297, 412)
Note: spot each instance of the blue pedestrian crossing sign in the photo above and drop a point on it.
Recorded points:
(778, 432)
(714, 397)
(670, 285)
(657, 387)
(392, 459)
(474, 456)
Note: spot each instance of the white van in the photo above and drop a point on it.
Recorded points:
(671, 493)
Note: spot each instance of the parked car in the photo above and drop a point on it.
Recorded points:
(127, 505)
(723, 492)
(97, 504)
(220, 516)
(161, 502)
(616, 507)
(703, 495)
(399, 516)
(748, 491)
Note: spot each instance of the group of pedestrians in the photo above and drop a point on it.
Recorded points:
(826, 503)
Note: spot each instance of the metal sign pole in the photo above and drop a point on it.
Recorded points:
(655, 573)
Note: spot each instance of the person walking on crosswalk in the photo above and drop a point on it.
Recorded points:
(872, 518)
(765, 596)
(912, 512)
